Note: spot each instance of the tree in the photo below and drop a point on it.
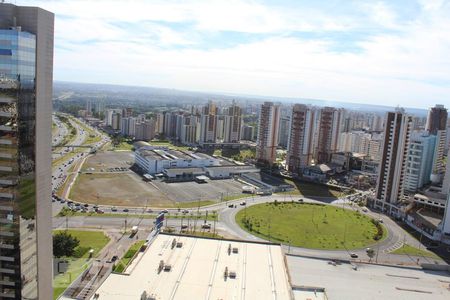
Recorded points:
(64, 244)
(370, 253)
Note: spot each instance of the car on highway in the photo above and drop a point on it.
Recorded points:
(185, 211)
(300, 200)
(353, 255)
(165, 211)
(230, 205)
(126, 210)
(243, 203)
(114, 258)
(113, 208)
(184, 226)
(206, 226)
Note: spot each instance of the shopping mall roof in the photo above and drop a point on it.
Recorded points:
(202, 268)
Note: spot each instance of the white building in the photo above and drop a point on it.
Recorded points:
(419, 161)
(128, 126)
(156, 159)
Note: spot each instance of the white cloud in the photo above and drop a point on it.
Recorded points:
(408, 67)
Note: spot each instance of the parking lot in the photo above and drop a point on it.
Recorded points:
(192, 191)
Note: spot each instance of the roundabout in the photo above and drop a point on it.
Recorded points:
(308, 225)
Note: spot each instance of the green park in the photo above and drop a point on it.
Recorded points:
(315, 226)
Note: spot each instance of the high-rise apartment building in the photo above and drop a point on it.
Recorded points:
(437, 119)
(391, 173)
(26, 78)
(247, 132)
(299, 148)
(283, 133)
(419, 161)
(116, 120)
(145, 131)
(268, 126)
(208, 124)
(329, 128)
(127, 126)
(232, 124)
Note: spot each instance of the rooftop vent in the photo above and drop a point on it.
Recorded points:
(167, 268)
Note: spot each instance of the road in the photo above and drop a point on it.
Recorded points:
(62, 170)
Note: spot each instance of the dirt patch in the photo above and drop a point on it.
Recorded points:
(126, 189)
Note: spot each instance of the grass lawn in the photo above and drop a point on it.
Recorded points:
(309, 225)
(123, 146)
(238, 196)
(88, 240)
(125, 260)
(168, 144)
(309, 189)
(67, 212)
(413, 251)
(194, 204)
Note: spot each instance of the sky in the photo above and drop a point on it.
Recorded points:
(376, 52)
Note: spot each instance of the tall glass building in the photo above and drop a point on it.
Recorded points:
(26, 62)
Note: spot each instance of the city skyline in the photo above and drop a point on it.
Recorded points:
(371, 52)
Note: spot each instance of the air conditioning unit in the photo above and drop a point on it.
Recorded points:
(167, 268)
(232, 274)
(235, 250)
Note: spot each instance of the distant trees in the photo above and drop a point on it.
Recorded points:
(64, 244)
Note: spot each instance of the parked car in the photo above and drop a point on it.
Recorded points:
(353, 255)
(206, 226)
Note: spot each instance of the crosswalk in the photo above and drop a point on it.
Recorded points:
(394, 247)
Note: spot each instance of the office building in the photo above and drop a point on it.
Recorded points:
(419, 161)
(437, 119)
(391, 174)
(329, 127)
(299, 148)
(26, 80)
(232, 124)
(268, 126)
(438, 158)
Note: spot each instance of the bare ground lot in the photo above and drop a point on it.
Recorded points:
(121, 189)
(128, 188)
(109, 159)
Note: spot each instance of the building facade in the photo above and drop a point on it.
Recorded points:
(208, 124)
(437, 119)
(391, 174)
(299, 148)
(419, 161)
(26, 79)
(329, 128)
(268, 126)
(232, 124)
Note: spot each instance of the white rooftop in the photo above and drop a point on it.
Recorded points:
(367, 282)
(197, 271)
